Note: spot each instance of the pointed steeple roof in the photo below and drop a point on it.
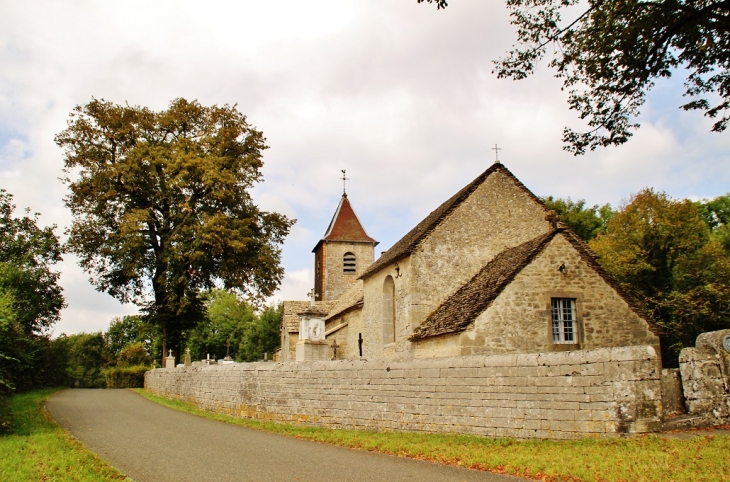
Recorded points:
(345, 226)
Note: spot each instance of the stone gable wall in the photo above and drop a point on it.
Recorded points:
(498, 215)
(520, 319)
(599, 392)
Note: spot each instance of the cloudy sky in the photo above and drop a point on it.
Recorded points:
(399, 94)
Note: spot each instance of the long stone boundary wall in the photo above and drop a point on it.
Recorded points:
(573, 394)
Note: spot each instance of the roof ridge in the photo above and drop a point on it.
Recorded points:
(405, 245)
(475, 296)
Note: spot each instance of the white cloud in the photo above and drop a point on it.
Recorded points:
(399, 94)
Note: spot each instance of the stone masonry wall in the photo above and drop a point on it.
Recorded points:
(705, 373)
(553, 395)
(336, 282)
(520, 319)
(497, 215)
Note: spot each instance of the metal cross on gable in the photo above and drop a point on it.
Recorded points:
(344, 179)
(496, 153)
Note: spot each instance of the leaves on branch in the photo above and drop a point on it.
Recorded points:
(161, 205)
(611, 53)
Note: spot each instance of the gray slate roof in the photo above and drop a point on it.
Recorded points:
(405, 246)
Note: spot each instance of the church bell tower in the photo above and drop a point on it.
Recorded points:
(342, 254)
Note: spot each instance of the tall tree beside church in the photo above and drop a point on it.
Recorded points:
(609, 54)
(162, 207)
(663, 253)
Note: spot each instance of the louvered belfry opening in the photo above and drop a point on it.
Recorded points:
(349, 264)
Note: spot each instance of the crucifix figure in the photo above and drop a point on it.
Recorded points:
(335, 346)
(496, 153)
(344, 179)
(170, 353)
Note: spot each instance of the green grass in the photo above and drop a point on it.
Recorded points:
(641, 458)
(39, 449)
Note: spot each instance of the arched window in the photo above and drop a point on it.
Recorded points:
(388, 310)
(349, 264)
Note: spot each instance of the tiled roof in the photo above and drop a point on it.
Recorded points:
(469, 301)
(293, 308)
(350, 300)
(410, 241)
(345, 226)
(472, 299)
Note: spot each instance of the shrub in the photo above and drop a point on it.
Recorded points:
(126, 377)
(134, 355)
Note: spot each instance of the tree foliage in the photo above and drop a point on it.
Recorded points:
(27, 256)
(263, 335)
(220, 334)
(233, 328)
(83, 357)
(30, 300)
(609, 54)
(663, 253)
(586, 222)
(716, 213)
(162, 208)
(129, 330)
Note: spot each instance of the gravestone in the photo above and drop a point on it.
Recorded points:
(170, 360)
(187, 357)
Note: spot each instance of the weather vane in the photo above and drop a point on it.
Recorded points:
(496, 153)
(344, 179)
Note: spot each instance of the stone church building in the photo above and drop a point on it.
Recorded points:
(490, 271)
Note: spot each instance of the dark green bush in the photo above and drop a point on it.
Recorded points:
(126, 377)
(84, 357)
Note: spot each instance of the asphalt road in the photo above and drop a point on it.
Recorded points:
(152, 443)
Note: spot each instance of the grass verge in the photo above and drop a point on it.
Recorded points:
(39, 449)
(641, 458)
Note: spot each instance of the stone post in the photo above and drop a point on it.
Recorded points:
(170, 360)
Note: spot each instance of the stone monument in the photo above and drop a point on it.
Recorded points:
(187, 358)
(312, 345)
(170, 360)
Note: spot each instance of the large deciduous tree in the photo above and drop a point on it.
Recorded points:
(609, 54)
(664, 254)
(162, 207)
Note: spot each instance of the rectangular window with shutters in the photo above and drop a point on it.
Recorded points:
(564, 320)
